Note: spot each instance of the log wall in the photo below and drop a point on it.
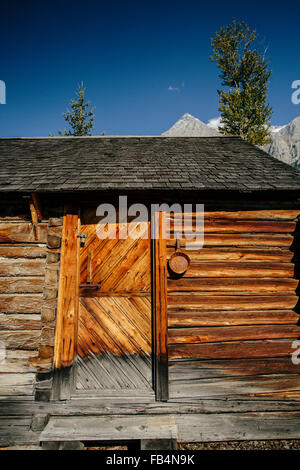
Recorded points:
(29, 265)
(232, 317)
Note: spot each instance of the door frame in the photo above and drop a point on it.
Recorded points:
(65, 347)
(159, 306)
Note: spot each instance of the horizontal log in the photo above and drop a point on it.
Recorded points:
(99, 407)
(19, 436)
(17, 379)
(231, 285)
(231, 302)
(227, 318)
(28, 340)
(22, 218)
(203, 369)
(22, 267)
(266, 240)
(233, 386)
(23, 251)
(19, 361)
(242, 269)
(21, 284)
(11, 427)
(236, 226)
(16, 366)
(21, 354)
(21, 303)
(231, 333)
(284, 395)
(15, 220)
(276, 214)
(235, 254)
(22, 232)
(20, 322)
(232, 350)
(14, 391)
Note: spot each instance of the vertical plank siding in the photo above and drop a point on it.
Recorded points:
(234, 314)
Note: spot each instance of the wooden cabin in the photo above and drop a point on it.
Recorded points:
(100, 339)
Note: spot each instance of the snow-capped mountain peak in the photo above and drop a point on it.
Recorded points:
(276, 129)
(190, 126)
(291, 130)
(284, 145)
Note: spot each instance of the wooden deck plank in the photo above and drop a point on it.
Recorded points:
(232, 426)
(109, 428)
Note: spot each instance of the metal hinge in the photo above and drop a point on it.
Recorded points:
(83, 237)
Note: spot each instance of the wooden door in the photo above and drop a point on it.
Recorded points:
(114, 322)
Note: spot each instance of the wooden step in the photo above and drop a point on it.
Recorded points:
(109, 428)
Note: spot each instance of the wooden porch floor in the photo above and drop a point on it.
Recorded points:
(196, 421)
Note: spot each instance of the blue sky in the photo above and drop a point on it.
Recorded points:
(128, 53)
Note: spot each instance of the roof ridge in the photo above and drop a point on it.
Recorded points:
(121, 137)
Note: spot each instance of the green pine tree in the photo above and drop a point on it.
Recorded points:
(245, 76)
(79, 118)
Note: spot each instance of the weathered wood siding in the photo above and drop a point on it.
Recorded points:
(114, 353)
(231, 321)
(29, 265)
(232, 317)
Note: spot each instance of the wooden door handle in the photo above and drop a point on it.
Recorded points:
(89, 274)
(89, 267)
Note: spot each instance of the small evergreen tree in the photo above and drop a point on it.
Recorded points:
(80, 119)
(244, 73)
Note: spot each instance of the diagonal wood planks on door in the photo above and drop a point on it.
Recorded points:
(114, 343)
(114, 326)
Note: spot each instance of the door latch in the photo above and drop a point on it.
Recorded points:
(89, 275)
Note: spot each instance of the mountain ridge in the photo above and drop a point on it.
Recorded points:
(190, 126)
(284, 144)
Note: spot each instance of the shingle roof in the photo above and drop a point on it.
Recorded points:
(176, 163)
